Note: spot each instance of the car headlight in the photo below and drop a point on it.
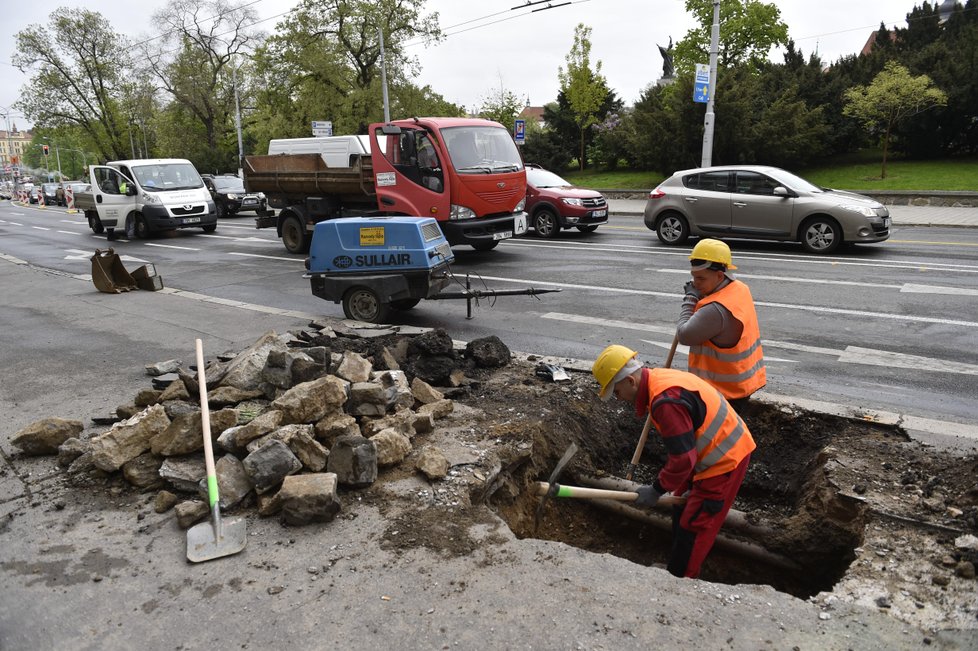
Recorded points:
(573, 202)
(865, 211)
(152, 199)
(232, 197)
(520, 206)
(461, 212)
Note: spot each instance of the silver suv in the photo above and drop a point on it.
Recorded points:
(762, 203)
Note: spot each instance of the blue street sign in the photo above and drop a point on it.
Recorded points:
(519, 132)
(701, 86)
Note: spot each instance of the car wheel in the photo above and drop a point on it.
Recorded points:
(405, 303)
(820, 235)
(363, 304)
(294, 236)
(485, 246)
(546, 223)
(587, 229)
(672, 229)
(142, 228)
(210, 228)
(221, 211)
(95, 224)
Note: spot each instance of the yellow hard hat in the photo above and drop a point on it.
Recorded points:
(712, 251)
(610, 364)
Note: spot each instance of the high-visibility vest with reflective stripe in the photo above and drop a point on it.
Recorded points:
(738, 371)
(722, 440)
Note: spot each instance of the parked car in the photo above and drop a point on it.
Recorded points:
(762, 203)
(50, 191)
(553, 204)
(230, 196)
(76, 187)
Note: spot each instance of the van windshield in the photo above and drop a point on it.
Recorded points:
(167, 176)
(482, 150)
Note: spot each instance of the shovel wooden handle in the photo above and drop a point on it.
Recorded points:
(582, 492)
(205, 421)
(648, 421)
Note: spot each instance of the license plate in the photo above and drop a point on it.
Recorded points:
(886, 222)
(599, 213)
(191, 220)
(502, 235)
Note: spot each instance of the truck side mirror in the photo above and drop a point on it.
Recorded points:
(131, 190)
(390, 130)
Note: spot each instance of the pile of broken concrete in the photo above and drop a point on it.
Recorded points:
(292, 418)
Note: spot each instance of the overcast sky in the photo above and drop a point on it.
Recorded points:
(490, 45)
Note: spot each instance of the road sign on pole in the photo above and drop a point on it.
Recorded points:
(322, 128)
(519, 132)
(701, 87)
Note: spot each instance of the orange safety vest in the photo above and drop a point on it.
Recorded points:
(738, 371)
(722, 440)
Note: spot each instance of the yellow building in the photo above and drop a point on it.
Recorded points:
(12, 146)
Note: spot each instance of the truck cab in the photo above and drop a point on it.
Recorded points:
(145, 196)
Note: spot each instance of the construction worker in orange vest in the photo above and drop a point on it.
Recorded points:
(707, 443)
(719, 324)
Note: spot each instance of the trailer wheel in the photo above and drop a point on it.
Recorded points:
(363, 304)
(405, 303)
(294, 236)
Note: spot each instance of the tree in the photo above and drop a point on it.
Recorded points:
(81, 64)
(893, 96)
(501, 106)
(748, 31)
(584, 88)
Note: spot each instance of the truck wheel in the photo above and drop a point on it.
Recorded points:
(95, 224)
(485, 246)
(294, 236)
(405, 303)
(363, 304)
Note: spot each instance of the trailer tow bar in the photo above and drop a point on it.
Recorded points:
(469, 294)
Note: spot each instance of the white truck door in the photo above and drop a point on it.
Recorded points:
(111, 203)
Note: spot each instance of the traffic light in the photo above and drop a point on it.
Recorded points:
(46, 149)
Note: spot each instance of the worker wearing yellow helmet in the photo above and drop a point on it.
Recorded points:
(708, 447)
(718, 322)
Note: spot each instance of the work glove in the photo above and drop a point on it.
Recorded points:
(647, 496)
(689, 290)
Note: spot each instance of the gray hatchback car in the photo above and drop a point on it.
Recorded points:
(762, 203)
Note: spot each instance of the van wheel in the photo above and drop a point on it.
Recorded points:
(210, 228)
(221, 210)
(672, 229)
(363, 304)
(95, 224)
(294, 236)
(142, 228)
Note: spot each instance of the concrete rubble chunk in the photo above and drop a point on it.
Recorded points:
(310, 401)
(422, 423)
(396, 386)
(184, 473)
(402, 421)
(367, 399)
(433, 463)
(307, 370)
(190, 513)
(301, 440)
(269, 503)
(45, 436)
(176, 390)
(309, 498)
(270, 464)
(488, 352)
(176, 407)
(424, 392)
(147, 397)
(164, 501)
(235, 439)
(224, 396)
(143, 471)
(162, 368)
(392, 447)
(128, 439)
(334, 425)
(354, 461)
(233, 484)
(185, 433)
(161, 382)
(388, 360)
(70, 450)
(354, 367)
(439, 409)
(967, 542)
(433, 343)
(245, 370)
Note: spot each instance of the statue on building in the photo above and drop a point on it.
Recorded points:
(668, 69)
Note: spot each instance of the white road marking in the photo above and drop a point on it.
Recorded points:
(69, 232)
(790, 279)
(15, 223)
(18, 214)
(930, 289)
(684, 350)
(850, 354)
(170, 246)
(78, 254)
(236, 239)
(784, 306)
(268, 257)
(40, 228)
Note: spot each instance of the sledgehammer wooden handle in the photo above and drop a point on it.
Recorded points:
(582, 492)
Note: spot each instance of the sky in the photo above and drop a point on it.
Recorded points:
(490, 45)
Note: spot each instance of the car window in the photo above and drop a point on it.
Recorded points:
(539, 178)
(709, 181)
(755, 183)
(228, 184)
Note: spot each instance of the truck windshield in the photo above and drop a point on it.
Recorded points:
(482, 150)
(167, 176)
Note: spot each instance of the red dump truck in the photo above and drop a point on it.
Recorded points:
(466, 173)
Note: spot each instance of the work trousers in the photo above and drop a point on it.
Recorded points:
(696, 524)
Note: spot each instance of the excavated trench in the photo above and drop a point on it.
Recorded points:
(798, 531)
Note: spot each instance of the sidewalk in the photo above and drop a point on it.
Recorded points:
(902, 215)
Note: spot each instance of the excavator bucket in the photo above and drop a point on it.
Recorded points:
(109, 274)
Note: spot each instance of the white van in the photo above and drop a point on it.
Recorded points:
(149, 195)
(337, 151)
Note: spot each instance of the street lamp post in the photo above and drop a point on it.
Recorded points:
(710, 118)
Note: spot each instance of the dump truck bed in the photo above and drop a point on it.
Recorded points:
(294, 177)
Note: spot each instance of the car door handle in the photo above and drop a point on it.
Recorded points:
(691, 199)
(740, 204)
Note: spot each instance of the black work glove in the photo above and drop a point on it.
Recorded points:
(647, 496)
(689, 290)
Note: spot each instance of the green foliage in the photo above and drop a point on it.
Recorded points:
(501, 106)
(584, 88)
(748, 31)
(894, 96)
(546, 147)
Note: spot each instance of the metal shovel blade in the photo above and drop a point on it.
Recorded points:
(204, 544)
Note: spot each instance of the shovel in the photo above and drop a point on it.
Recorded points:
(648, 421)
(209, 540)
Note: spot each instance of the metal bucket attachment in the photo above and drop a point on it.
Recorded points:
(147, 279)
(109, 274)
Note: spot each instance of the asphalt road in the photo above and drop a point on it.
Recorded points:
(890, 326)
